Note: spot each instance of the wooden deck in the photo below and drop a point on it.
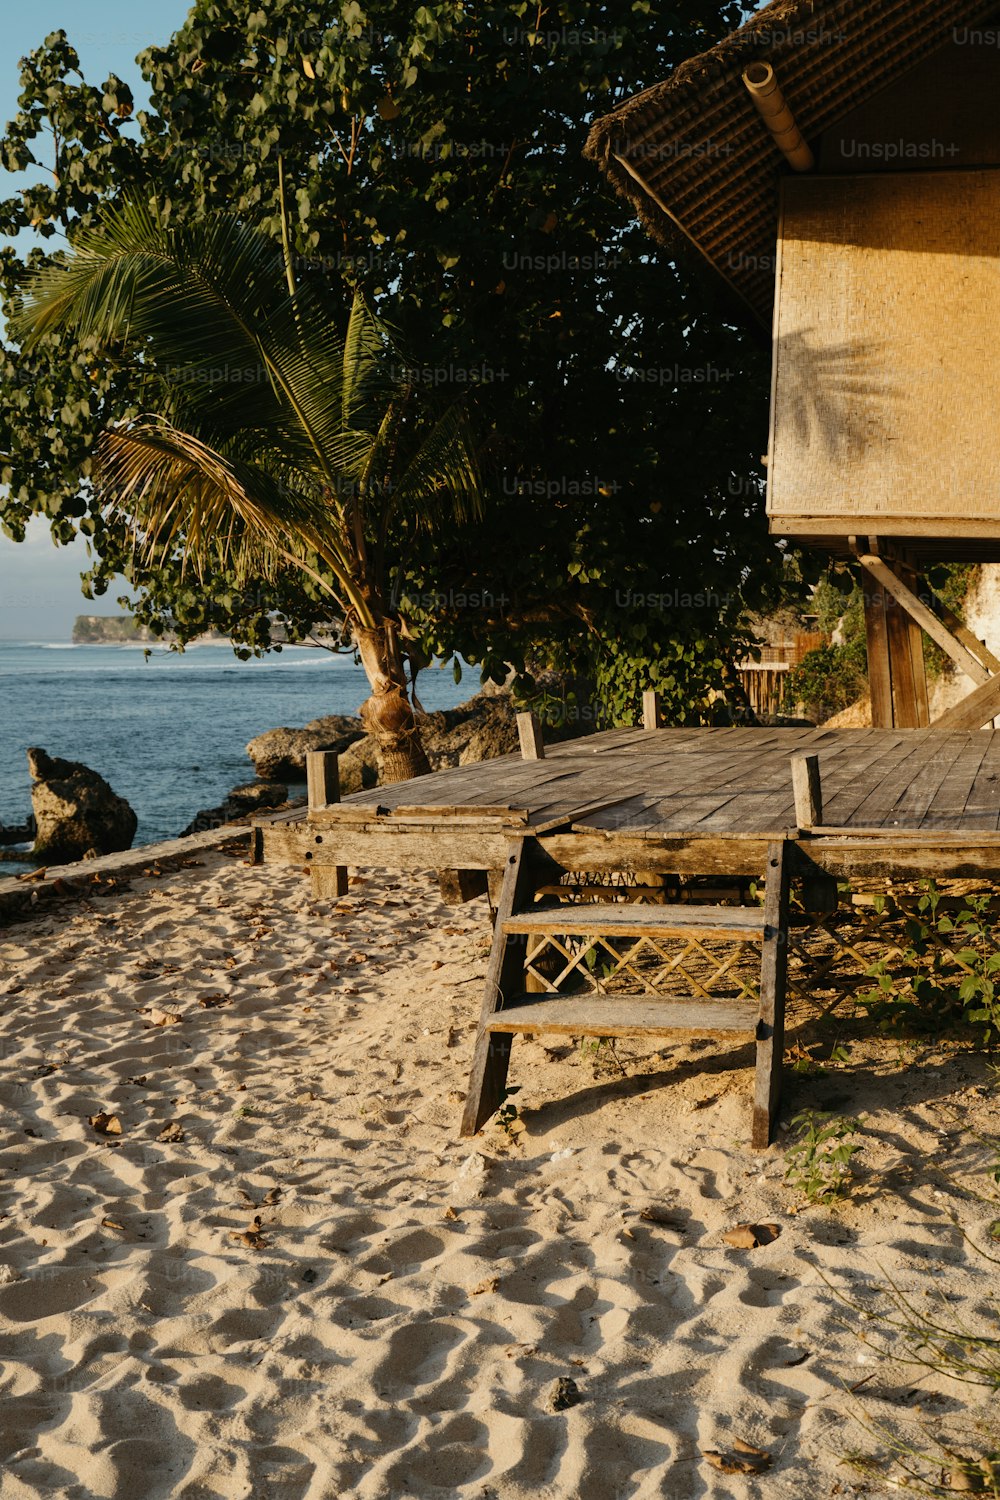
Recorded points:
(911, 801)
(643, 804)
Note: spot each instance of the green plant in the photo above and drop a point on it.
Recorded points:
(827, 680)
(819, 1164)
(946, 975)
(599, 1047)
(804, 1062)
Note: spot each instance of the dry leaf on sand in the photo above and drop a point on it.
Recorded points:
(744, 1459)
(269, 1199)
(751, 1236)
(106, 1124)
(253, 1237)
(171, 1132)
(488, 1284)
(163, 1017)
(209, 1002)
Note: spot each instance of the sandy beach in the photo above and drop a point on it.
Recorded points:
(272, 1269)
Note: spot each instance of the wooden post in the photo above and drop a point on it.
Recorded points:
(877, 641)
(773, 976)
(906, 655)
(322, 778)
(323, 784)
(529, 732)
(808, 789)
(652, 713)
(896, 671)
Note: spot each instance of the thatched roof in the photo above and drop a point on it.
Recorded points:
(696, 160)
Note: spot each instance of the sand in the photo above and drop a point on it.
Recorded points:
(287, 1276)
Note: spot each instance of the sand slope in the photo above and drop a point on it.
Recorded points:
(316, 1290)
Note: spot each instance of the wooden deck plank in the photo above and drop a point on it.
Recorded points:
(916, 793)
(605, 1015)
(865, 794)
(953, 795)
(758, 794)
(626, 919)
(982, 807)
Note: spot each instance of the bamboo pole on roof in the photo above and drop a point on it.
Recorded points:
(765, 91)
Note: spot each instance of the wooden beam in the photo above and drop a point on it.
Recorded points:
(427, 849)
(652, 712)
(959, 629)
(808, 790)
(978, 709)
(906, 657)
(529, 733)
(925, 618)
(896, 670)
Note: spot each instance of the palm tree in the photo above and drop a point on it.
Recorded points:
(277, 439)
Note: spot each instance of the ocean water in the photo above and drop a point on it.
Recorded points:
(169, 731)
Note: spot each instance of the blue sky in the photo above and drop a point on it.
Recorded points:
(40, 583)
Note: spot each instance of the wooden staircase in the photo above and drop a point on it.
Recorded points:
(509, 1011)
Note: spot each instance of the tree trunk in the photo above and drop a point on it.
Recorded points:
(388, 714)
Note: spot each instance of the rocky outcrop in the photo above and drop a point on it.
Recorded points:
(481, 729)
(77, 815)
(359, 766)
(282, 752)
(242, 802)
(106, 630)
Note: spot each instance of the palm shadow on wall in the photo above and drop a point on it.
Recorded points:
(834, 396)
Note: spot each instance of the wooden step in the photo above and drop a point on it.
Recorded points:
(624, 919)
(628, 1015)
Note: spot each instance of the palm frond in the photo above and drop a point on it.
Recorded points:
(181, 494)
(441, 478)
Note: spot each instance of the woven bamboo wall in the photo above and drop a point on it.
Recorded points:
(887, 359)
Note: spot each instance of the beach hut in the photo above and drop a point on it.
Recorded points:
(834, 167)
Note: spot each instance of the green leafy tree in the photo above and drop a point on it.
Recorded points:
(319, 458)
(433, 158)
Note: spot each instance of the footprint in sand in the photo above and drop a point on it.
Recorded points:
(209, 1393)
(418, 1354)
(451, 1455)
(47, 1293)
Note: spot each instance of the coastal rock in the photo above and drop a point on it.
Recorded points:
(282, 752)
(77, 815)
(482, 728)
(359, 766)
(242, 802)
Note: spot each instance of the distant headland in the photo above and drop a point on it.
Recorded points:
(109, 630)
